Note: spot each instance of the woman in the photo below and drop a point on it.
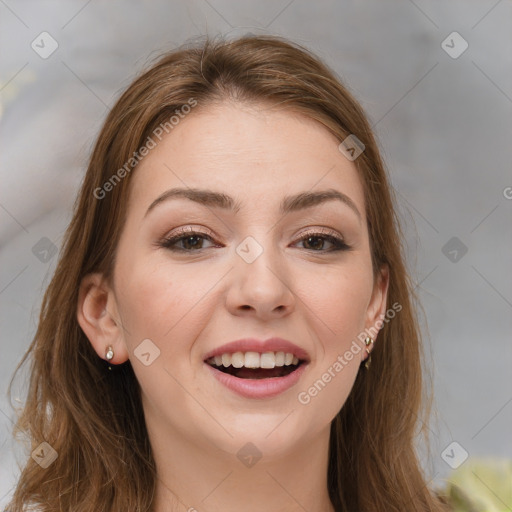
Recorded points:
(230, 325)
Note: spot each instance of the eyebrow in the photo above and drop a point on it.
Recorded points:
(289, 204)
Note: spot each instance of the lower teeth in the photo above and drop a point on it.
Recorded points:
(257, 373)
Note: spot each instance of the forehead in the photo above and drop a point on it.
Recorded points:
(250, 152)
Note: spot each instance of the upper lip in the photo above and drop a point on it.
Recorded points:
(260, 346)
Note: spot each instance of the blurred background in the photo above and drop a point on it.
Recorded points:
(435, 78)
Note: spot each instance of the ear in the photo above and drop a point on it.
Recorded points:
(98, 317)
(376, 311)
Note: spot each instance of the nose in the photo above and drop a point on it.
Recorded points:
(260, 288)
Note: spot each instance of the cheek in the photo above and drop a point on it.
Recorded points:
(332, 378)
(337, 306)
(166, 308)
(160, 304)
(169, 304)
(338, 301)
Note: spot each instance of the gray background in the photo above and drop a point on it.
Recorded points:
(443, 123)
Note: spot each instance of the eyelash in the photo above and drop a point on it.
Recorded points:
(167, 243)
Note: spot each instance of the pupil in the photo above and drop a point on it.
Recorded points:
(314, 238)
(187, 240)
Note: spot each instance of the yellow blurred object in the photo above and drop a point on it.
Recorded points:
(481, 485)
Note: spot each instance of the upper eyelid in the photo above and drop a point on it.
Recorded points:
(190, 229)
(321, 231)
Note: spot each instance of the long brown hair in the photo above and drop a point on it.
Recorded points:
(93, 417)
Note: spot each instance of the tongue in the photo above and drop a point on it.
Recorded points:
(258, 373)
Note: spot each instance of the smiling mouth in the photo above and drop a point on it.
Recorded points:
(252, 365)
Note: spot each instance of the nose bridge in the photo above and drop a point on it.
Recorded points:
(257, 255)
(260, 279)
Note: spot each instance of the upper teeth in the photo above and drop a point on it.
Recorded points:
(254, 359)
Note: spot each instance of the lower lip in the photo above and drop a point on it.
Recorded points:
(258, 388)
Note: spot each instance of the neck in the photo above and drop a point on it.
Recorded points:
(192, 478)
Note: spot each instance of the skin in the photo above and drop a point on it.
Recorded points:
(189, 303)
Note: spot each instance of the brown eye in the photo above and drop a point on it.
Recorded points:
(316, 242)
(186, 241)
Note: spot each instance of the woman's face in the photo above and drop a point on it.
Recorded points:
(249, 270)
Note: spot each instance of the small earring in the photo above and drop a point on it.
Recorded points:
(368, 341)
(109, 353)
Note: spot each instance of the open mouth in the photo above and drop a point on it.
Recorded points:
(252, 365)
